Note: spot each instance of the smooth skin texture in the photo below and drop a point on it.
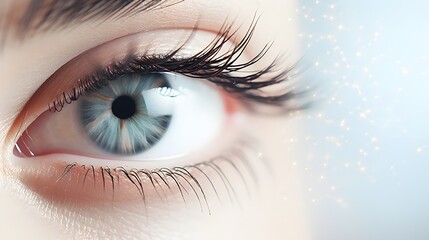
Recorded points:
(25, 65)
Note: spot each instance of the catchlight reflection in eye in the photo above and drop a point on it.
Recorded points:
(137, 116)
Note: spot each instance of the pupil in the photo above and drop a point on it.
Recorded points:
(124, 107)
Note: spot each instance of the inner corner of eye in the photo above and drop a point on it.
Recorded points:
(136, 117)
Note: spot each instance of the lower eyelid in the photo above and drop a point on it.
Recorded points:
(227, 177)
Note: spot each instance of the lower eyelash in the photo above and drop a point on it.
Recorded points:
(187, 180)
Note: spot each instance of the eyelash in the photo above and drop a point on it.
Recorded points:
(181, 178)
(204, 65)
(214, 67)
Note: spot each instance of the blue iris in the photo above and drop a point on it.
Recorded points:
(116, 116)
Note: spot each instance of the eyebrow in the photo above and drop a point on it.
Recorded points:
(45, 15)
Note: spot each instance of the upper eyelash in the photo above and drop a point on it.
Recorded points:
(207, 64)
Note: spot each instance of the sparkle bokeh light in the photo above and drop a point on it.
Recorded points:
(364, 151)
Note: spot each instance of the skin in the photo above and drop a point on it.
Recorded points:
(264, 215)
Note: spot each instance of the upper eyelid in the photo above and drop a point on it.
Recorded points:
(198, 65)
(91, 62)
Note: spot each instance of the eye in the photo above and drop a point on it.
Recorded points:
(155, 110)
(138, 116)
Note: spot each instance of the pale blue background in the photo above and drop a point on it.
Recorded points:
(364, 156)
